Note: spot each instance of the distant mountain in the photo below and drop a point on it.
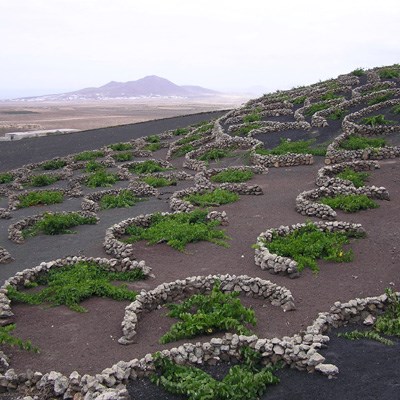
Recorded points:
(147, 87)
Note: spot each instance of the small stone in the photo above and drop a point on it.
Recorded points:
(327, 369)
(370, 320)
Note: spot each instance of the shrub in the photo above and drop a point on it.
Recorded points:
(395, 109)
(93, 166)
(56, 224)
(253, 117)
(188, 139)
(205, 128)
(215, 154)
(330, 96)
(88, 155)
(389, 73)
(313, 108)
(6, 178)
(297, 147)
(349, 203)
(101, 179)
(120, 146)
(43, 180)
(360, 143)
(358, 72)
(40, 198)
(152, 146)
(299, 100)
(54, 164)
(379, 99)
(120, 157)
(337, 114)
(159, 181)
(181, 151)
(245, 129)
(376, 120)
(153, 139)
(215, 198)
(7, 338)
(146, 167)
(358, 178)
(180, 131)
(232, 176)
(307, 244)
(177, 230)
(202, 314)
(124, 199)
(71, 285)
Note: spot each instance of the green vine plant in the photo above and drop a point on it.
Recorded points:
(386, 324)
(7, 338)
(205, 314)
(247, 381)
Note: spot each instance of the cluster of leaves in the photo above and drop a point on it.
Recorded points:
(389, 73)
(205, 314)
(153, 139)
(7, 338)
(101, 178)
(159, 181)
(232, 176)
(121, 146)
(297, 147)
(152, 146)
(216, 197)
(88, 155)
(215, 154)
(6, 178)
(354, 142)
(330, 96)
(124, 199)
(45, 197)
(376, 120)
(379, 99)
(248, 381)
(43, 180)
(93, 166)
(349, 203)
(180, 131)
(182, 150)
(357, 178)
(245, 129)
(121, 157)
(358, 72)
(308, 244)
(386, 324)
(205, 127)
(299, 100)
(188, 139)
(337, 114)
(253, 117)
(146, 167)
(54, 164)
(71, 285)
(313, 108)
(177, 230)
(395, 109)
(56, 224)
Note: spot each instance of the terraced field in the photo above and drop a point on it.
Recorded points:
(243, 220)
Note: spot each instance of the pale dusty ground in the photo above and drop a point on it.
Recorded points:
(25, 116)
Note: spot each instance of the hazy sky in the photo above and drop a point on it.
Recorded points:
(50, 46)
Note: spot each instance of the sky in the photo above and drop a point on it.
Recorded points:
(54, 46)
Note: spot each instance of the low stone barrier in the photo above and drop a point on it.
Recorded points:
(5, 256)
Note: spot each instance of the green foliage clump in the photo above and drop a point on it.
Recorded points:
(159, 181)
(358, 72)
(337, 114)
(6, 178)
(152, 146)
(253, 117)
(40, 198)
(386, 324)
(395, 109)
(88, 155)
(204, 314)
(241, 383)
(124, 199)
(101, 179)
(308, 244)
(330, 96)
(43, 180)
(358, 178)
(56, 224)
(54, 164)
(71, 285)
(93, 166)
(216, 197)
(7, 338)
(180, 131)
(245, 129)
(177, 230)
(376, 120)
(188, 139)
(121, 146)
(349, 203)
(298, 147)
(182, 150)
(354, 142)
(120, 157)
(153, 139)
(313, 108)
(379, 99)
(299, 100)
(215, 154)
(389, 73)
(232, 176)
(205, 127)
(146, 167)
